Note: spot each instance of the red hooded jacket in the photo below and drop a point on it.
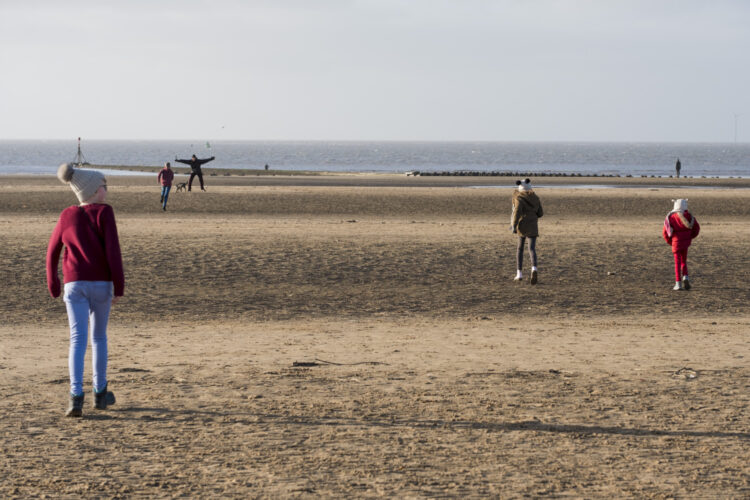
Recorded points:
(679, 230)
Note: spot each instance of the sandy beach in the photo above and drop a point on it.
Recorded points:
(361, 336)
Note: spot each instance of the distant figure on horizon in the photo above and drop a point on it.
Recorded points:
(195, 167)
(678, 167)
(680, 228)
(165, 177)
(527, 209)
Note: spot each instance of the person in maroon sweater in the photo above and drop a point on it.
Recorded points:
(93, 278)
(165, 177)
(679, 230)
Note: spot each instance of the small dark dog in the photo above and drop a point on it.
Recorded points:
(181, 186)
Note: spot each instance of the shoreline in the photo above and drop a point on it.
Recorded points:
(227, 177)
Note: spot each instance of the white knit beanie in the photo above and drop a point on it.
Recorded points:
(680, 205)
(524, 185)
(83, 182)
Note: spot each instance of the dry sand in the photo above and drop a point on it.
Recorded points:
(434, 374)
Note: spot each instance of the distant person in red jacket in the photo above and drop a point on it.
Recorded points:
(195, 169)
(93, 276)
(680, 227)
(165, 177)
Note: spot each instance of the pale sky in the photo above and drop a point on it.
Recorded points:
(505, 70)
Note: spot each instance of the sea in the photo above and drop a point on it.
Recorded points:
(586, 158)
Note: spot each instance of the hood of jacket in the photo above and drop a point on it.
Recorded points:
(529, 199)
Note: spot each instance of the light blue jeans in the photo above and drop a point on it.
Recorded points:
(165, 195)
(88, 300)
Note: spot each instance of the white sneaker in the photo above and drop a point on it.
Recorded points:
(678, 286)
(519, 277)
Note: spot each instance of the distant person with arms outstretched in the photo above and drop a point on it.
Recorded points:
(195, 167)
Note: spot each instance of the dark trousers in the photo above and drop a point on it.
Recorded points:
(519, 251)
(192, 175)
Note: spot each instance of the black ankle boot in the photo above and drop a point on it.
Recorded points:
(75, 407)
(103, 398)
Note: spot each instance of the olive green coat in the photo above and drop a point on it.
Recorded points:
(526, 211)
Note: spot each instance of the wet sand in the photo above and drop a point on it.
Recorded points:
(425, 370)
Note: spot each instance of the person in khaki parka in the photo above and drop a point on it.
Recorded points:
(527, 209)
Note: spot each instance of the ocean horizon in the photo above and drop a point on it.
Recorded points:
(585, 158)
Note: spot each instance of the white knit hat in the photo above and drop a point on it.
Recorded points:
(524, 185)
(680, 205)
(83, 182)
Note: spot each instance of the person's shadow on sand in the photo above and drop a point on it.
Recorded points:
(247, 418)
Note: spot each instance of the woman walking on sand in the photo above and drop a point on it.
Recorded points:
(680, 228)
(165, 177)
(527, 209)
(92, 273)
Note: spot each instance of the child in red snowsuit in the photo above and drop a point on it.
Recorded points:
(680, 227)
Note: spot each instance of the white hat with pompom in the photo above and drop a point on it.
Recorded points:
(83, 182)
